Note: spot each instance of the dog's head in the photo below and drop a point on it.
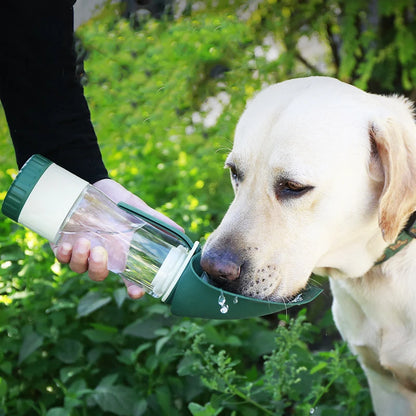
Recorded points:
(324, 176)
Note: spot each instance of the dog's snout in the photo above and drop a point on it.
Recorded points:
(221, 265)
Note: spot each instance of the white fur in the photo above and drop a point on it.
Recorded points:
(316, 131)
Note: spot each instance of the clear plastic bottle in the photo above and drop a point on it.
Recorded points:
(62, 208)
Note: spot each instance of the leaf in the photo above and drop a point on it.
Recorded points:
(60, 304)
(3, 388)
(91, 302)
(105, 328)
(79, 388)
(207, 410)
(406, 45)
(160, 344)
(140, 408)
(318, 367)
(145, 328)
(120, 295)
(58, 411)
(261, 342)
(119, 400)
(186, 366)
(66, 373)
(108, 381)
(164, 399)
(6, 367)
(31, 342)
(69, 351)
(98, 336)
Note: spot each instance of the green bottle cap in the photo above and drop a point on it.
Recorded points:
(42, 195)
(23, 185)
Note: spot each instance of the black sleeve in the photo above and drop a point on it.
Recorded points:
(42, 97)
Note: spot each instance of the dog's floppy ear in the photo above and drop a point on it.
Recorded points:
(394, 138)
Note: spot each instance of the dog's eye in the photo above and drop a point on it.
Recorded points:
(291, 189)
(294, 186)
(235, 175)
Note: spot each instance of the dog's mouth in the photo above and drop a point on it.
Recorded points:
(252, 287)
(240, 274)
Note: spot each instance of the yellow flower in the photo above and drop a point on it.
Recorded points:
(199, 184)
(249, 90)
(5, 300)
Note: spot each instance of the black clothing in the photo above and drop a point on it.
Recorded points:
(43, 100)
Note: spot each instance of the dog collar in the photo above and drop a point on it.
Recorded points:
(405, 237)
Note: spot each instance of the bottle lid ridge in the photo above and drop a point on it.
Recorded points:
(23, 185)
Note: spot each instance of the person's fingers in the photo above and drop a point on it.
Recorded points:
(63, 252)
(97, 264)
(133, 290)
(80, 254)
(82, 258)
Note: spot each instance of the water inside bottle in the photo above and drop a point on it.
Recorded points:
(137, 252)
(145, 256)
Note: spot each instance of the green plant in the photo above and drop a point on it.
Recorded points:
(291, 380)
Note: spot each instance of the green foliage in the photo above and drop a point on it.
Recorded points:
(292, 381)
(144, 88)
(74, 347)
(369, 44)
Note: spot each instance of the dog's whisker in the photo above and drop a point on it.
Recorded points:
(223, 150)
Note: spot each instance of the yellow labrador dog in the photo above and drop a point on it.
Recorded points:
(325, 181)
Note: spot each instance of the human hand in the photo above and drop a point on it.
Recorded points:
(81, 257)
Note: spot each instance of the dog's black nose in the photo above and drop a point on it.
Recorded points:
(221, 264)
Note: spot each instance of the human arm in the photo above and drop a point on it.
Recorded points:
(40, 89)
(47, 112)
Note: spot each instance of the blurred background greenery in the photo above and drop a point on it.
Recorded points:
(166, 82)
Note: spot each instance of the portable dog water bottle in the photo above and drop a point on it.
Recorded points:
(61, 207)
